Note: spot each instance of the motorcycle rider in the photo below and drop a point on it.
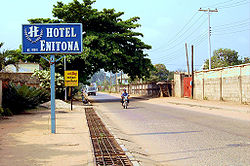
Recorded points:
(124, 94)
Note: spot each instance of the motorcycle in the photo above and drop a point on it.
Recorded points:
(125, 102)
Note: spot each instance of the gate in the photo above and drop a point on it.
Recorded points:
(187, 81)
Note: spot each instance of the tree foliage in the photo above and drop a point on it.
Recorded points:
(7, 57)
(109, 42)
(14, 56)
(223, 58)
(160, 73)
(44, 78)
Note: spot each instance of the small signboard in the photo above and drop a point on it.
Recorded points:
(64, 38)
(71, 78)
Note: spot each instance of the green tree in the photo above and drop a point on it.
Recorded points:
(246, 60)
(7, 57)
(159, 73)
(2, 57)
(109, 42)
(222, 58)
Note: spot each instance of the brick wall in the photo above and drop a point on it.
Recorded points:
(20, 78)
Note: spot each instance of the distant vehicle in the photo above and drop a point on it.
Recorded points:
(91, 90)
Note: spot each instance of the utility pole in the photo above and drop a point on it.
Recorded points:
(116, 82)
(209, 31)
(121, 78)
(187, 59)
(110, 82)
(104, 80)
(192, 70)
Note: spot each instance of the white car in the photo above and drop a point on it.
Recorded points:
(91, 90)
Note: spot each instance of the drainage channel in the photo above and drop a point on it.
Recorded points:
(106, 150)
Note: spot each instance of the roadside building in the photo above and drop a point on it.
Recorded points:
(20, 73)
(22, 68)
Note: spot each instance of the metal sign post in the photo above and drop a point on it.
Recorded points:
(64, 38)
(71, 80)
(52, 93)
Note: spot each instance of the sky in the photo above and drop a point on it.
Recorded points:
(166, 24)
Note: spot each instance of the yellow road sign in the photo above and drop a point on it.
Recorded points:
(71, 78)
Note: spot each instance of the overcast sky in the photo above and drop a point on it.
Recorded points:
(166, 25)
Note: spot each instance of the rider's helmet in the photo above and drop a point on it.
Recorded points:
(124, 90)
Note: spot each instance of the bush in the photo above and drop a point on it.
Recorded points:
(44, 78)
(19, 98)
(1, 111)
(5, 112)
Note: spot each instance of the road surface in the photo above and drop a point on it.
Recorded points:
(164, 135)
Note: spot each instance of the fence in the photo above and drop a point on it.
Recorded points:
(149, 89)
(142, 89)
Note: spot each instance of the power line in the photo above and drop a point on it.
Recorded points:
(184, 26)
(186, 30)
(178, 37)
(171, 53)
(172, 57)
(231, 32)
(235, 4)
(200, 42)
(228, 3)
(174, 53)
(233, 26)
(204, 34)
(196, 40)
(182, 41)
(235, 22)
(189, 21)
(221, 3)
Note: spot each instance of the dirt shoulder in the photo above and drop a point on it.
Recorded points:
(220, 108)
(27, 140)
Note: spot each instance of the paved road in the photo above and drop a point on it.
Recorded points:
(175, 136)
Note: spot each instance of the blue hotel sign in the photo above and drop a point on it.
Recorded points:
(65, 38)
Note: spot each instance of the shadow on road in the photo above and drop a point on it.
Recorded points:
(110, 100)
(160, 133)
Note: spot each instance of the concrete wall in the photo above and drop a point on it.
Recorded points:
(178, 84)
(211, 85)
(227, 84)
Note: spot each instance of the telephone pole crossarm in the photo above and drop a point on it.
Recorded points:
(208, 10)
